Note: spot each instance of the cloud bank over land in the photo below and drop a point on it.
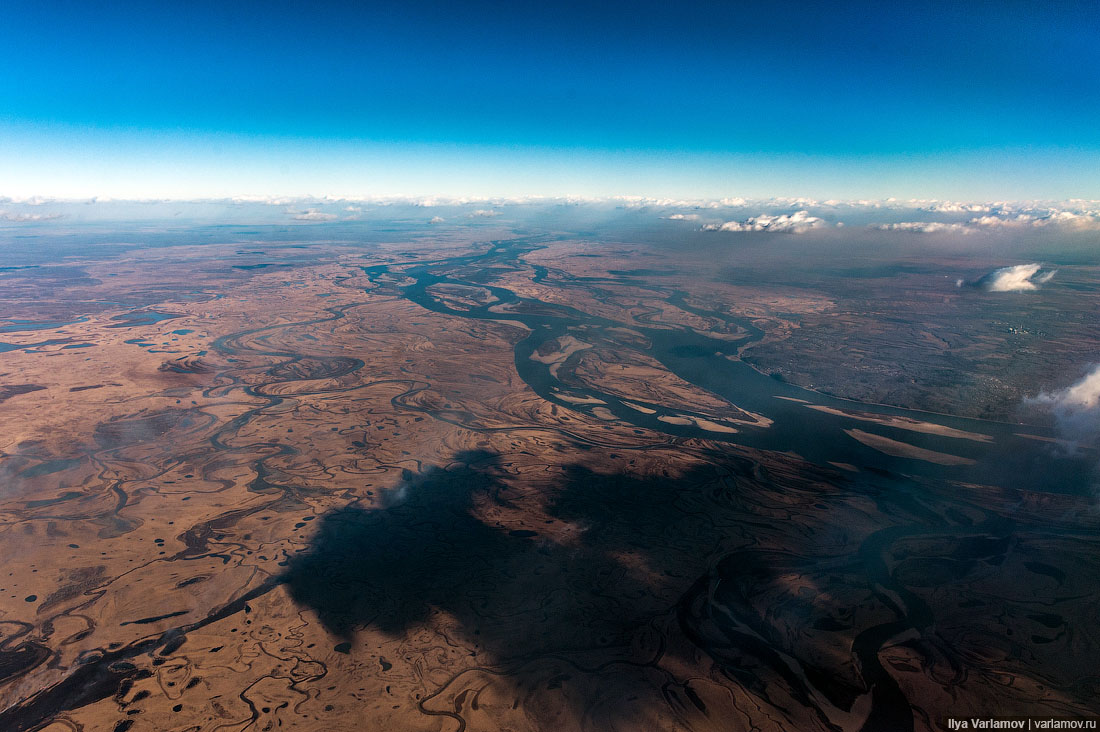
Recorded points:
(797, 215)
(795, 223)
(18, 217)
(314, 214)
(1076, 409)
(780, 215)
(1061, 219)
(1069, 215)
(925, 227)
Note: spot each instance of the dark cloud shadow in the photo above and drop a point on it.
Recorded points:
(719, 564)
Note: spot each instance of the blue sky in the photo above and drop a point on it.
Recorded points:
(990, 100)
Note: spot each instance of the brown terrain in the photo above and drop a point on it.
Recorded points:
(320, 489)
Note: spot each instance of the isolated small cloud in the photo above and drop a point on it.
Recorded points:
(313, 214)
(1076, 409)
(1017, 278)
(436, 220)
(682, 217)
(484, 213)
(795, 223)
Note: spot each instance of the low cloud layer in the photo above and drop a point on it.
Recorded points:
(1076, 409)
(794, 223)
(315, 215)
(925, 227)
(1003, 217)
(1017, 278)
(24, 217)
(789, 215)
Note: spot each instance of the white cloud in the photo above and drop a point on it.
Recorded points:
(1072, 219)
(313, 214)
(953, 207)
(436, 220)
(1003, 217)
(1039, 219)
(264, 200)
(732, 213)
(925, 227)
(1076, 408)
(795, 223)
(1017, 278)
(23, 217)
(998, 222)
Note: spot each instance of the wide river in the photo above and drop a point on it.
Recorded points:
(817, 427)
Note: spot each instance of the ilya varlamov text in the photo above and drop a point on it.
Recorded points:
(1026, 723)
